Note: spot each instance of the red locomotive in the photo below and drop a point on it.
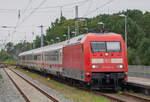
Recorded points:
(96, 59)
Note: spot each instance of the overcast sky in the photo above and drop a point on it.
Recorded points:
(33, 15)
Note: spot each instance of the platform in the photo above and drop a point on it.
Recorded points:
(140, 82)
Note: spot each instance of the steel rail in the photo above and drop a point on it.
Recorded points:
(139, 99)
(110, 97)
(35, 86)
(24, 96)
(136, 97)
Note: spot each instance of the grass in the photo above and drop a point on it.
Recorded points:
(1, 76)
(119, 92)
(71, 93)
(9, 61)
(137, 94)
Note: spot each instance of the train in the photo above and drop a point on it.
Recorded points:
(98, 60)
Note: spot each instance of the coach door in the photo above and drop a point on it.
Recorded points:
(60, 56)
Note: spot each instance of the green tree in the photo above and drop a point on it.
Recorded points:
(144, 51)
(4, 55)
(146, 24)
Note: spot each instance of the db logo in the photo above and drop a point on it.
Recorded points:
(107, 60)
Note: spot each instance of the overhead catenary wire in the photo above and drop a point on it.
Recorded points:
(66, 5)
(101, 6)
(23, 12)
(34, 10)
(38, 7)
(48, 7)
(45, 10)
(89, 7)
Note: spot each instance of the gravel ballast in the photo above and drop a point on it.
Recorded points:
(8, 92)
(45, 88)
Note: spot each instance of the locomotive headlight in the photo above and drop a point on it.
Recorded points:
(106, 54)
(95, 66)
(119, 66)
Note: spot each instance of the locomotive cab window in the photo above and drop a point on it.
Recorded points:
(113, 46)
(98, 46)
(109, 46)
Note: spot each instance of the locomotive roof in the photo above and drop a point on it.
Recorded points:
(74, 40)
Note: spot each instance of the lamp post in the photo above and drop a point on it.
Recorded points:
(52, 40)
(125, 27)
(33, 45)
(57, 38)
(85, 23)
(68, 27)
(85, 28)
(65, 36)
(72, 32)
(101, 23)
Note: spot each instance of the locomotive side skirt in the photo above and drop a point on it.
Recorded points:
(74, 74)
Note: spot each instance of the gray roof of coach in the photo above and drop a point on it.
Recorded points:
(44, 49)
(74, 40)
(77, 39)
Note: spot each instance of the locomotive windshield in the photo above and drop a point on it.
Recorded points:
(98, 46)
(110, 46)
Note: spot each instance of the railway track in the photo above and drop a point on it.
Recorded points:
(30, 91)
(124, 97)
(138, 98)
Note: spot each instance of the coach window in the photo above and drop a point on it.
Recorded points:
(38, 57)
(35, 57)
(56, 55)
(28, 57)
(98, 46)
(23, 57)
(19, 57)
(52, 56)
(46, 56)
